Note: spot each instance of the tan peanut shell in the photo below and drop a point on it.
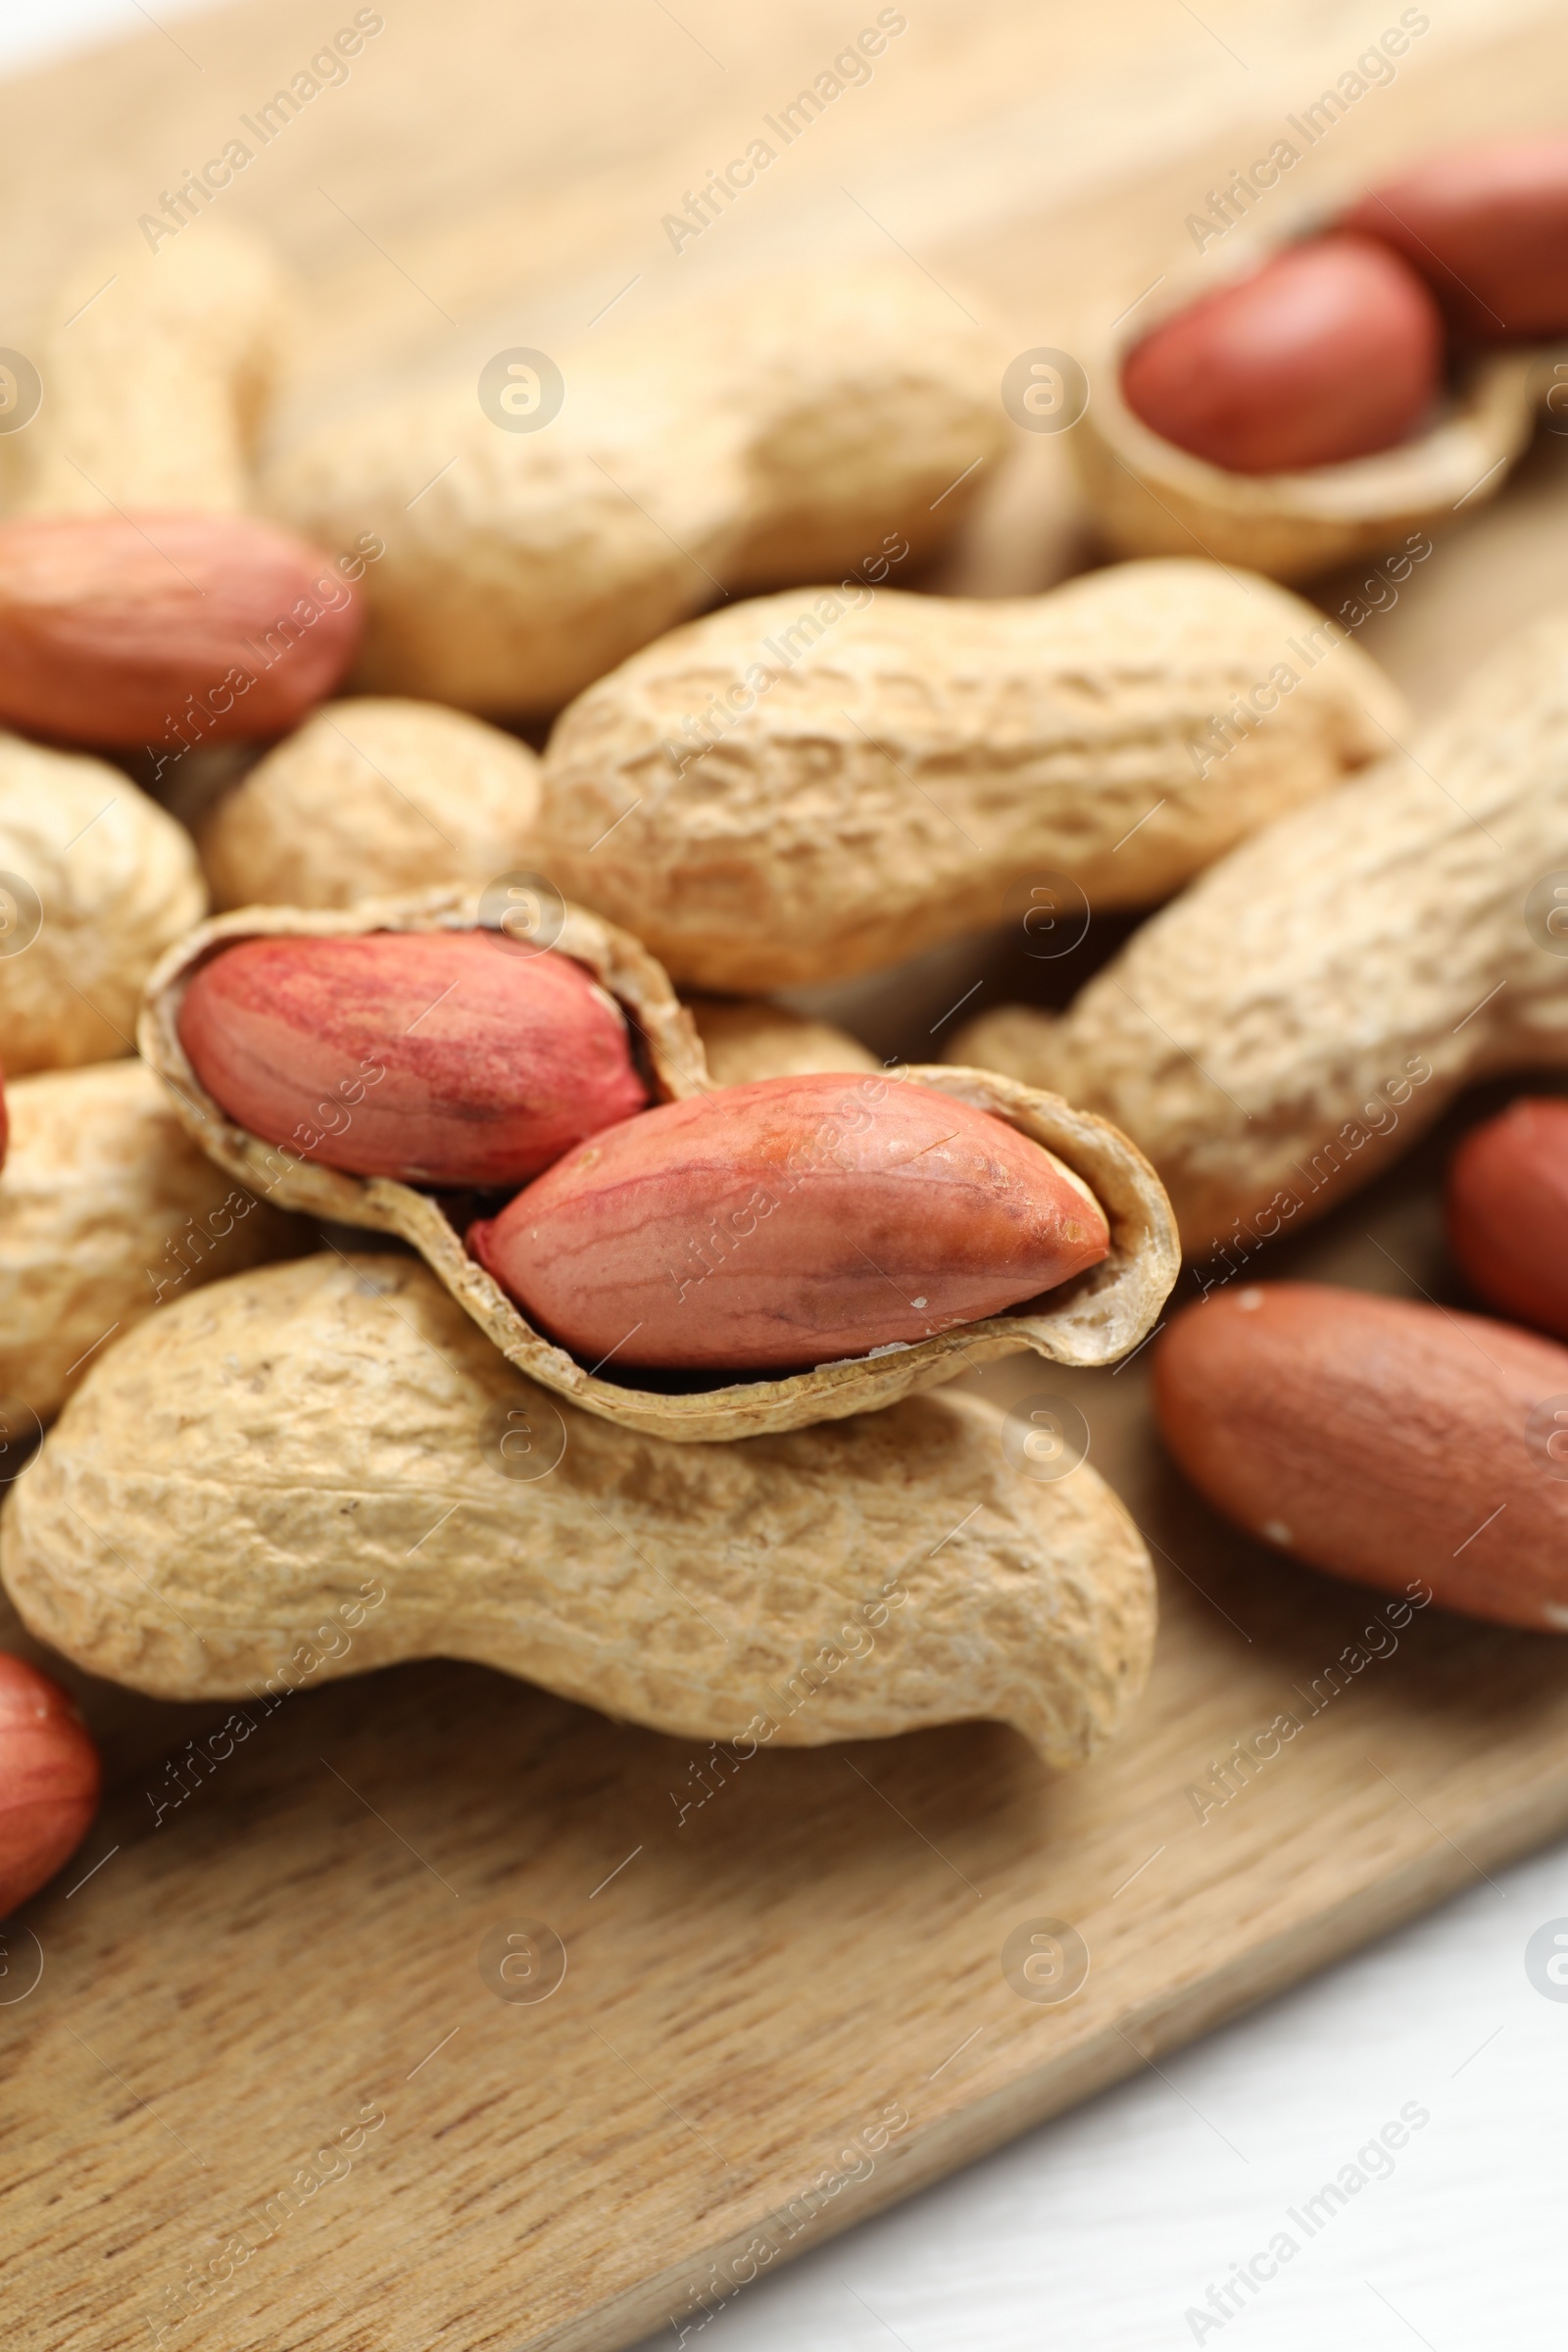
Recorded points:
(1092, 1320)
(369, 799)
(156, 369)
(107, 1211)
(95, 881)
(281, 1448)
(743, 1041)
(1263, 1037)
(1149, 498)
(781, 434)
(882, 775)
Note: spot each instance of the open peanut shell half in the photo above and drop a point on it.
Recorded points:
(1149, 498)
(1094, 1319)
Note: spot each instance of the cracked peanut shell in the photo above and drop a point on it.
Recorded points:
(1094, 1319)
(1151, 498)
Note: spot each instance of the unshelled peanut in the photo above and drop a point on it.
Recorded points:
(158, 369)
(95, 882)
(369, 799)
(305, 1435)
(809, 787)
(793, 433)
(1307, 1008)
(107, 1210)
(744, 1040)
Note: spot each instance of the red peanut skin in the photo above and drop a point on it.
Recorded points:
(110, 624)
(1488, 229)
(1332, 350)
(895, 1213)
(1508, 1212)
(1380, 1436)
(49, 1779)
(495, 1062)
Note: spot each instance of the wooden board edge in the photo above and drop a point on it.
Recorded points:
(1435, 1875)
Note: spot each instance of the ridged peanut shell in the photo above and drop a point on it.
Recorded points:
(744, 1040)
(1264, 1038)
(1149, 498)
(771, 436)
(157, 376)
(1092, 1320)
(867, 407)
(894, 766)
(107, 881)
(283, 1442)
(107, 1210)
(369, 798)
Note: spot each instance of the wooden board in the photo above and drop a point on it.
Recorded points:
(751, 1985)
(784, 2002)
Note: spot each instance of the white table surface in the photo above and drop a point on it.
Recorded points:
(1103, 2231)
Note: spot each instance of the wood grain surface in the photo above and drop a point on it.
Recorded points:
(269, 2016)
